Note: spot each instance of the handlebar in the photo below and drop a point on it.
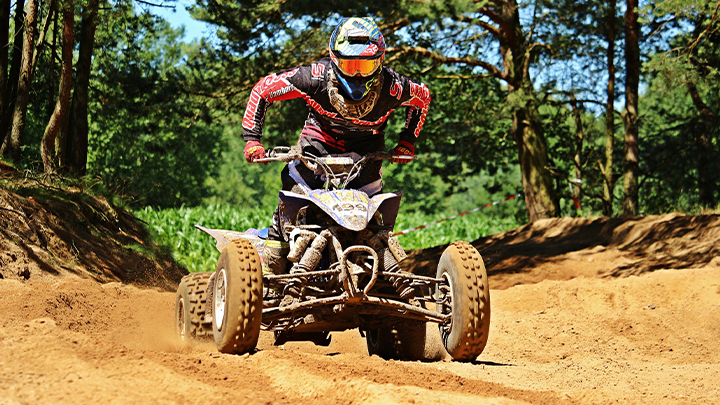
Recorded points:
(338, 170)
(287, 154)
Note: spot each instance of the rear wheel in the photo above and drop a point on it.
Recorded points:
(406, 341)
(237, 298)
(464, 294)
(192, 320)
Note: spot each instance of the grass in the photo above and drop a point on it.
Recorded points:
(175, 229)
(468, 228)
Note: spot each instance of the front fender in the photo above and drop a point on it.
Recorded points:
(351, 209)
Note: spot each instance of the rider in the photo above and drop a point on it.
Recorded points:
(349, 97)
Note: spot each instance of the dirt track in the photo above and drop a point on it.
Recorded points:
(591, 339)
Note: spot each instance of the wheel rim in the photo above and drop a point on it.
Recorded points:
(220, 299)
(444, 304)
(180, 320)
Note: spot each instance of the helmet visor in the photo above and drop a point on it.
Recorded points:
(362, 67)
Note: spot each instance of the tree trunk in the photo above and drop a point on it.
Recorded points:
(9, 97)
(630, 115)
(608, 170)
(51, 74)
(4, 55)
(703, 141)
(48, 150)
(77, 129)
(20, 114)
(41, 40)
(579, 139)
(527, 129)
(532, 151)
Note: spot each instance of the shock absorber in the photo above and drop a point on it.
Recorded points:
(402, 285)
(313, 254)
(390, 262)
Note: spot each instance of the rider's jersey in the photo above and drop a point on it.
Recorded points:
(337, 122)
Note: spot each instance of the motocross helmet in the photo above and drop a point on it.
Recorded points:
(357, 50)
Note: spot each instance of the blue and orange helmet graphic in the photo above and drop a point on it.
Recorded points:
(357, 50)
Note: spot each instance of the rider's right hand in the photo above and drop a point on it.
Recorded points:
(404, 148)
(254, 150)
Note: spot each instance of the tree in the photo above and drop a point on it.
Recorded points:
(631, 113)
(152, 140)
(271, 31)
(4, 55)
(14, 143)
(74, 156)
(10, 91)
(683, 125)
(51, 146)
(608, 168)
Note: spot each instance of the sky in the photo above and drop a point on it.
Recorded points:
(179, 16)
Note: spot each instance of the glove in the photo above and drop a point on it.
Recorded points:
(404, 148)
(254, 150)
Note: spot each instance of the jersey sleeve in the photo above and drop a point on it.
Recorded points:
(416, 97)
(285, 85)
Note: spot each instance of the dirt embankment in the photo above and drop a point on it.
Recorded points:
(583, 312)
(565, 248)
(46, 232)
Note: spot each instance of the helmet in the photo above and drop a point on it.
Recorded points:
(357, 50)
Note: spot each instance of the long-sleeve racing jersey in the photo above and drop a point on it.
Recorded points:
(340, 124)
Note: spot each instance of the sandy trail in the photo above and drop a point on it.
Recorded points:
(641, 339)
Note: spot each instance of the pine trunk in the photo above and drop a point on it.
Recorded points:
(9, 97)
(527, 129)
(579, 139)
(631, 114)
(532, 151)
(608, 170)
(51, 146)
(704, 146)
(19, 120)
(77, 140)
(4, 55)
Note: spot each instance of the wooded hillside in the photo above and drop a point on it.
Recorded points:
(584, 106)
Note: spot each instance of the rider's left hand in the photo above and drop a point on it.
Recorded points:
(404, 148)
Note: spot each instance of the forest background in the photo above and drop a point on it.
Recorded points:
(591, 107)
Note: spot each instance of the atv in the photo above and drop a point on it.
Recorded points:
(345, 273)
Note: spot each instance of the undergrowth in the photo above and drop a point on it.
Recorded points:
(196, 251)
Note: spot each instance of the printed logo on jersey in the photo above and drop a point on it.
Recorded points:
(317, 71)
(396, 90)
(269, 88)
(419, 96)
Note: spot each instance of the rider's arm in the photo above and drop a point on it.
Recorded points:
(285, 85)
(416, 96)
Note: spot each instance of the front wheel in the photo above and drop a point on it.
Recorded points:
(237, 298)
(464, 294)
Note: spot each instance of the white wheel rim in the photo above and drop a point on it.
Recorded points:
(220, 298)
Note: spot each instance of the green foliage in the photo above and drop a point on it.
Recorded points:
(239, 183)
(194, 249)
(151, 140)
(165, 116)
(468, 228)
(175, 229)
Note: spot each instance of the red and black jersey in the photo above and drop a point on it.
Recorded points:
(337, 122)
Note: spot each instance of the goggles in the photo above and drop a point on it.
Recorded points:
(354, 67)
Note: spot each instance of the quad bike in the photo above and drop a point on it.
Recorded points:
(344, 274)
